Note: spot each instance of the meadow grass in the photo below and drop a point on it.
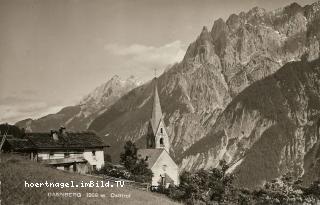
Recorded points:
(15, 170)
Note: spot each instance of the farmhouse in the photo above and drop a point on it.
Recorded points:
(165, 170)
(80, 152)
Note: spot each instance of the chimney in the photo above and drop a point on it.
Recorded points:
(62, 130)
(54, 135)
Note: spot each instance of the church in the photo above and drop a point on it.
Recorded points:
(165, 170)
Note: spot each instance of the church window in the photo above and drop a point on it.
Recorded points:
(161, 130)
(164, 167)
(161, 141)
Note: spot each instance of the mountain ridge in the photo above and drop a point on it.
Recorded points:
(79, 116)
(233, 55)
(282, 124)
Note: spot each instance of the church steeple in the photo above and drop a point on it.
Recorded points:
(156, 109)
(157, 136)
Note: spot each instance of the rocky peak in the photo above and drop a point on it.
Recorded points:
(204, 36)
(79, 116)
(134, 80)
(219, 28)
(233, 22)
(312, 11)
(293, 9)
(115, 77)
(219, 33)
(114, 87)
(202, 49)
(257, 11)
(204, 31)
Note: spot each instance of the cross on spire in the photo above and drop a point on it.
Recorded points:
(155, 72)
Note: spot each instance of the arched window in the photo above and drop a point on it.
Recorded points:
(161, 142)
(164, 167)
(161, 130)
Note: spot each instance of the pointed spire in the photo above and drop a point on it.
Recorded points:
(156, 110)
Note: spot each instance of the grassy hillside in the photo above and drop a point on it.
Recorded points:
(15, 171)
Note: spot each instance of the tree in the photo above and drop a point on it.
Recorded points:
(204, 186)
(221, 183)
(141, 172)
(283, 190)
(129, 157)
(137, 167)
(312, 193)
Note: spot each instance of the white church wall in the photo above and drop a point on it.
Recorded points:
(164, 135)
(165, 165)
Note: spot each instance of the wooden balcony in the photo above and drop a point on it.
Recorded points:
(66, 160)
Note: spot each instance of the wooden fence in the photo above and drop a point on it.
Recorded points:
(128, 183)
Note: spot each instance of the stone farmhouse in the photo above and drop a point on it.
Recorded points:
(80, 152)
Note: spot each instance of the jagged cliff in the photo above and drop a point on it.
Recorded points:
(216, 68)
(78, 117)
(269, 129)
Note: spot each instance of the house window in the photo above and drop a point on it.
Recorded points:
(51, 154)
(94, 167)
(161, 141)
(146, 159)
(93, 153)
(66, 167)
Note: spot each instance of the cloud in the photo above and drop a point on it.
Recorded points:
(15, 108)
(144, 57)
(126, 60)
(14, 113)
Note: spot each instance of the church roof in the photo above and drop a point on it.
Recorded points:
(156, 109)
(151, 155)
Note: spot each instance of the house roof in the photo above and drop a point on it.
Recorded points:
(67, 140)
(151, 155)
(18, 144)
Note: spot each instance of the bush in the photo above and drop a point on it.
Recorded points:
(215, 186)
(203, 186)
(114, 171)
(134, 169)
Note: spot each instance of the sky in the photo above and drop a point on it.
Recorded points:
(54, 52)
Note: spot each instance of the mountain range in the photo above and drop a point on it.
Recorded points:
(247, 91)
(79, 116)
